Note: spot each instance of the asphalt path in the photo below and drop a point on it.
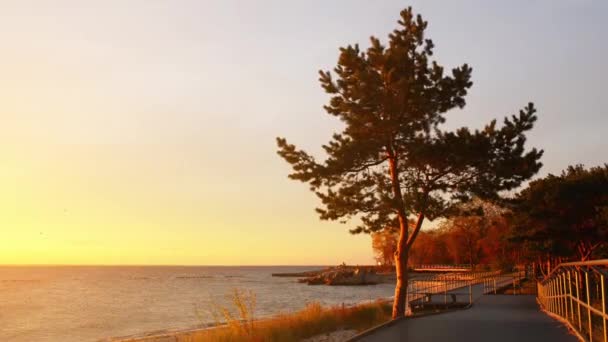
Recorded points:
(491, 318)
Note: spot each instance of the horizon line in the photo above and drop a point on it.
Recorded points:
(167, 265)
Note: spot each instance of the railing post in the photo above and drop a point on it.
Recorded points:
(558, 305)
(553, 298)
(471, 293)
(588, 306)
(570, 296)
(558, 285)
(578, 303)
(558, 291)
(513, 277)
(545, 289)
(604, 307)
(445, 292)
(555, 301)
(559, 295)
(550, 294)
(563, 291)
(546, 294)
(485, 284)
(488, 285)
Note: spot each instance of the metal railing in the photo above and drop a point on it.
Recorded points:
(443, 267)
(492, 284)
(422, 288)
(576, 292)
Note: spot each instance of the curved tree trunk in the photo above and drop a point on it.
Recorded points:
(400, 305)
(400, 302)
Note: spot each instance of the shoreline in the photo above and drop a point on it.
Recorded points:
(139, 302)
(165, 335)
(194, 333)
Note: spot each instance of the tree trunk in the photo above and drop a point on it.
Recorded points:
(400, 302)
(400, 305)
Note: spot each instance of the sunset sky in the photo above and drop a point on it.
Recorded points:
(142, 132)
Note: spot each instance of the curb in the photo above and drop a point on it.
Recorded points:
(561, 320)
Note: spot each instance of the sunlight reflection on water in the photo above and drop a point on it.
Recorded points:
(90, 303)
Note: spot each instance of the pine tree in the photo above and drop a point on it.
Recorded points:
(392, 161)
(565, 215)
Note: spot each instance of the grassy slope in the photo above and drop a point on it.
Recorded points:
(310, 321)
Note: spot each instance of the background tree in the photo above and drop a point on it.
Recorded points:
(464, 234)
(430, 248)
(392, 160)
(384, 244)
(564, 216)
(497, 248)
(480, 235)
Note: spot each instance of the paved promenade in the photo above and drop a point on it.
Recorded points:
(492, 318)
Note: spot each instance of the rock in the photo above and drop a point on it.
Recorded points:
(348, 276)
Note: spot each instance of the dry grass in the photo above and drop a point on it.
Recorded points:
(310, 321)
(240, 319)
(597, 324)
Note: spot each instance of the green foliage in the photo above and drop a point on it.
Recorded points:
(393, 159)
(565, 215)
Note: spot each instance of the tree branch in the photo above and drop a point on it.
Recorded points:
(412, 238)
(368, 165)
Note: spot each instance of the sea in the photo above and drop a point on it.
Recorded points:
(92, 303)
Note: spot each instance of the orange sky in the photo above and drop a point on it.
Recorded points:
(147, 205)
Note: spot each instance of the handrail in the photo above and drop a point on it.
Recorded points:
(576, 292)
(599, 262)
(446, 284)
(494, 283)
(446, 267)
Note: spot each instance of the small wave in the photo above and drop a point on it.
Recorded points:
(20, 280)
(194, 277)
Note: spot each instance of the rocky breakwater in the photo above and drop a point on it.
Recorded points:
(345, 275)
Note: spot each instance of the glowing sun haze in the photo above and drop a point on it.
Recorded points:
(142, 132)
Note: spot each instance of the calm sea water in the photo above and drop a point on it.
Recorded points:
(91, 303)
